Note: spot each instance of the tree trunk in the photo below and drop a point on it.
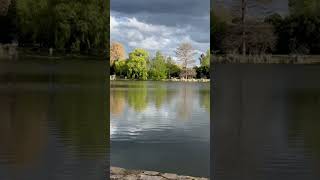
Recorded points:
(243, 18)
(185, 71)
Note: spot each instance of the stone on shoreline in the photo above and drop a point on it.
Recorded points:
(117, 173)
(170, 176)
(147, 177)
(152, 173)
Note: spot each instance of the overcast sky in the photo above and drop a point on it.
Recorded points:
(161, 24)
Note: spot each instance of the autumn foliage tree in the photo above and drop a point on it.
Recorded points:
(117, 52)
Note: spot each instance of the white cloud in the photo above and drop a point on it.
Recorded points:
(134, 33)
(113, 23)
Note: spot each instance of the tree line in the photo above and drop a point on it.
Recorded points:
(139, 64)
(296, 33)
(66, 25)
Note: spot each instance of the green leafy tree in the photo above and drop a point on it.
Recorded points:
(218, 29)
(173, 69)
(120, 67)
(297, 34)
(34, 22)
(158, 69)
(67, 25)
(205, 59)
(204, 69)
(8, 22)
(137, 64)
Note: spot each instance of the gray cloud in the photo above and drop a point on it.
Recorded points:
(161, 24)
(185, 7)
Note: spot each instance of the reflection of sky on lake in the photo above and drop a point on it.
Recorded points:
(172, 115)
(157, 116)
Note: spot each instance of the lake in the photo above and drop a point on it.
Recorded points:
(266, 122)
(54, 119)
(160, 126)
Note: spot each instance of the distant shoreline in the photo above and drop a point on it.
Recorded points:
(13, 51)
(165, 80)
(265, 59)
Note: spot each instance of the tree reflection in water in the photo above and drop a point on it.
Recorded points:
(117, 101)
(137, 96)
(23, 127)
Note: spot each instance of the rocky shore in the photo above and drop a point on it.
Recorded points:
(117, 173)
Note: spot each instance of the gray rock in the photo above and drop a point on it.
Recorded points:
(131, 177)
(151, 173)
(146, 177)
(170, 176)
(116, 170)
(186, 178)
(123, 174)
(116, 177)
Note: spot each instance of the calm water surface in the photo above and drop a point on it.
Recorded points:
(266, 122)
(53, 120)
(160, 126)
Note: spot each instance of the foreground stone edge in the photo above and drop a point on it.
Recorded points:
(124, 174)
